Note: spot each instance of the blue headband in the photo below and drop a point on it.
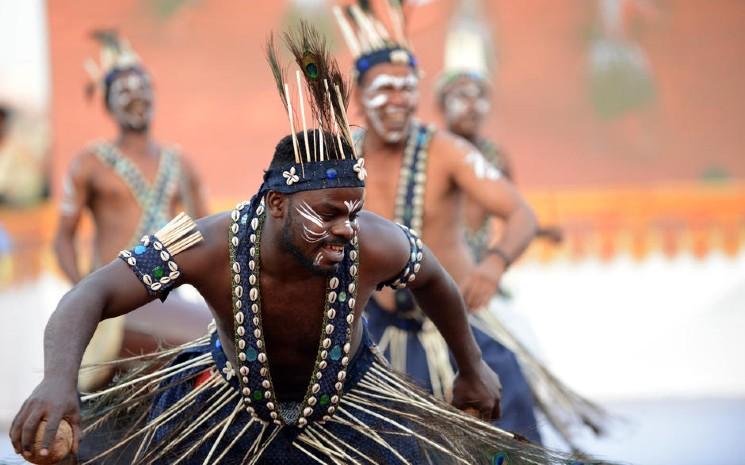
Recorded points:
(386, 55)
(316, 175)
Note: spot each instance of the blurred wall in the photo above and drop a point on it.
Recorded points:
(215, 95)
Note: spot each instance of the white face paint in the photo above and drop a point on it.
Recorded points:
(390, 121)
(69, 204)
(482, 168)
(314, 230)
(124, 90)
(352, 205)
(461, 98)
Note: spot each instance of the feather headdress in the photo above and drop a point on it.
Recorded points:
(468, 47)
(373, 40)
(321, 135)
(116, 54)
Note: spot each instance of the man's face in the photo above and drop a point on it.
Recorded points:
(466, 105)
(389, 96)
(319, 224)
(131, 100)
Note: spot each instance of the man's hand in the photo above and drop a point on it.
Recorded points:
(482, 283)
(479, 391)
(51, 401)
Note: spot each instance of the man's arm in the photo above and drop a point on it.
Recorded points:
(110, 291)
(192, 193)
(390, 250)
(75, 196)
(487, 187)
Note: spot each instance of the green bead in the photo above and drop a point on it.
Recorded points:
(158, 272)
(324, 399)
(251, 354)
(342, 296)
(335, 353)
(258, 395)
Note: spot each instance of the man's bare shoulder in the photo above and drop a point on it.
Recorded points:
(447, 144)
(85, 162)
(214, 229)
(384, 249)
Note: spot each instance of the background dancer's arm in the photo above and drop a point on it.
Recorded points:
(385, 254)
(195, 204)
(75, 197)
(485, 185)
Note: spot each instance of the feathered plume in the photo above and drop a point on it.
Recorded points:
(328, 92)
(115, 53)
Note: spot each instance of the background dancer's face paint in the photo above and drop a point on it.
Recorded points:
(318, 226)
(389, 95)
(466, 105)
(130, 100)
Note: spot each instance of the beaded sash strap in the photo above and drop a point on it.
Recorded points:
(413, 178)
(154, 200)
(409, 209)
(325, 387)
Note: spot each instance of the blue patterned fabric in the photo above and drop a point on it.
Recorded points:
(315, 175)
(517, 401)
(366, 62)
(280, 450)
(153, 265)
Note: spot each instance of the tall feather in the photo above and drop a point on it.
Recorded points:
(312, 55)
(278, 72)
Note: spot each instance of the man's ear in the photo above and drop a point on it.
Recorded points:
(277, 204)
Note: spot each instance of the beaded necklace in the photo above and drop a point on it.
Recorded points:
(152, 199)
(413, 178)
(325, 387)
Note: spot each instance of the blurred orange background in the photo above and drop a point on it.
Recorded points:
(215, 96)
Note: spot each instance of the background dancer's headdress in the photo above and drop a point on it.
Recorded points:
(324, 156)
(468, 48)
(370, 40)
(116, 56)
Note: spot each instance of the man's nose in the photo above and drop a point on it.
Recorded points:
(343, 229)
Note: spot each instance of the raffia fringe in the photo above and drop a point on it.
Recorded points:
(179, 234)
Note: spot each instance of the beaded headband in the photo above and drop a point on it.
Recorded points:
(333, 161)
(370, 42)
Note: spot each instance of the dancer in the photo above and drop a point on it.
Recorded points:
(301, 260)
(130, 186)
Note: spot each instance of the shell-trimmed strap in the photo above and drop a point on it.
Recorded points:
(410, 270)
(152, 259)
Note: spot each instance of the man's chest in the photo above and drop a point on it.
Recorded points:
(389, 180)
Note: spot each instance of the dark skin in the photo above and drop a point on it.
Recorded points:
(465, 103)
(291, 324)
(91, 185)
(455, 175)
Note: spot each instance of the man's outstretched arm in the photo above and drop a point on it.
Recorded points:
(388, 251)
(110, 291)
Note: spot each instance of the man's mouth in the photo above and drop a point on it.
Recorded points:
(333, 252)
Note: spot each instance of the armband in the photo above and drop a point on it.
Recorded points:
(152, 259)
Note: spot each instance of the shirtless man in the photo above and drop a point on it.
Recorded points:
(463, 97)
(130, 186)
(422, 177)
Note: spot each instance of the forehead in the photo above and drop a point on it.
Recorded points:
(335, 196)
(467, 83)
(124, 76)
(388, 69)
